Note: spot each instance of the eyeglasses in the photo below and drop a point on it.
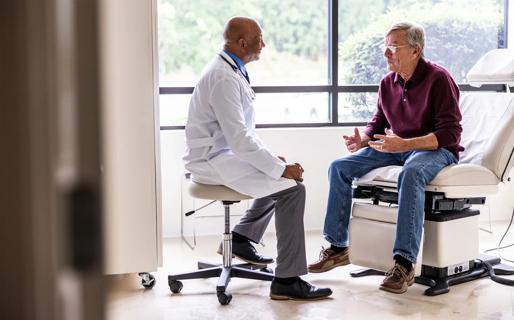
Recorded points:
(393, 48)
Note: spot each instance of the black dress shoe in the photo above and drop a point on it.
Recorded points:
(245, 251)
(298, 290)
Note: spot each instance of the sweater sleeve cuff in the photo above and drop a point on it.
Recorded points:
(443, 139)
(369, 132)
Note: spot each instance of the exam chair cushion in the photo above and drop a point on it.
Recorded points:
(488, 139)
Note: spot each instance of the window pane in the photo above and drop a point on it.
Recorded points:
(458, 32)
(269, 108)
(173, 109)
(295, 33)
(356, 106)
(291, 108)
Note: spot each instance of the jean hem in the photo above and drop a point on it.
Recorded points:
(335, 243)
(406, 256)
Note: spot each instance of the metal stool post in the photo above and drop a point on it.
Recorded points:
(227, 237)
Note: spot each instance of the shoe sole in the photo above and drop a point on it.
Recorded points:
(246, 260)
(340, 264)
(283, 298)
(398, 291)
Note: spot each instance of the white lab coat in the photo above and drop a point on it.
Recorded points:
(222, 146)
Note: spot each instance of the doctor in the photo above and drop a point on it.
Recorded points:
(224, 149)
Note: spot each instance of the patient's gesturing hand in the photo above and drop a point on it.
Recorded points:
(353, 143)
(389, 142)
(293, 171)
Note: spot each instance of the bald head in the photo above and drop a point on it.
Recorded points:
(243, 37)
(239, 27)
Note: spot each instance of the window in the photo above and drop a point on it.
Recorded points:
(322, 62)
(280, 108)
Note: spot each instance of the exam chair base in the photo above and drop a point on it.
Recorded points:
(440, 285)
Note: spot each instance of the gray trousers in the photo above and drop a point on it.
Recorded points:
(289, 206)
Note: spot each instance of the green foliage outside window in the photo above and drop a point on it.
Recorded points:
(190, 32)
(296, 33)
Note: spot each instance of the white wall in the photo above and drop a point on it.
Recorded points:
(314, 148)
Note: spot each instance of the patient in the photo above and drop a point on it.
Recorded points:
(417, 125)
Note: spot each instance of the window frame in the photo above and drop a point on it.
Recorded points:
(333, 88)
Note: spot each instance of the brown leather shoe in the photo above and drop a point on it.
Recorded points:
(398, 279)
(328, 260)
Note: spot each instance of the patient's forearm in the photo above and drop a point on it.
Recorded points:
(428, 142)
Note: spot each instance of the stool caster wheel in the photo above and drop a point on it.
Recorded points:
(175, 286)
(147, 280)
(224, 298)
(267, 270)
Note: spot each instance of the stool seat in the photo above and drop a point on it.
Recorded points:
(215, 192)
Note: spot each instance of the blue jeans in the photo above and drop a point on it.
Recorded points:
(419, 168)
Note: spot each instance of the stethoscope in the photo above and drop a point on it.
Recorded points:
(237, 71)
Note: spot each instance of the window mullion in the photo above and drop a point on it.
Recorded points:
(333, 13)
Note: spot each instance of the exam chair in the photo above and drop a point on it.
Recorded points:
(449, 253)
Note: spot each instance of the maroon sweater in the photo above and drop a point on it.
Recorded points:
(426, 103)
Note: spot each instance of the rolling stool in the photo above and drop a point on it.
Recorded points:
(248, 271)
